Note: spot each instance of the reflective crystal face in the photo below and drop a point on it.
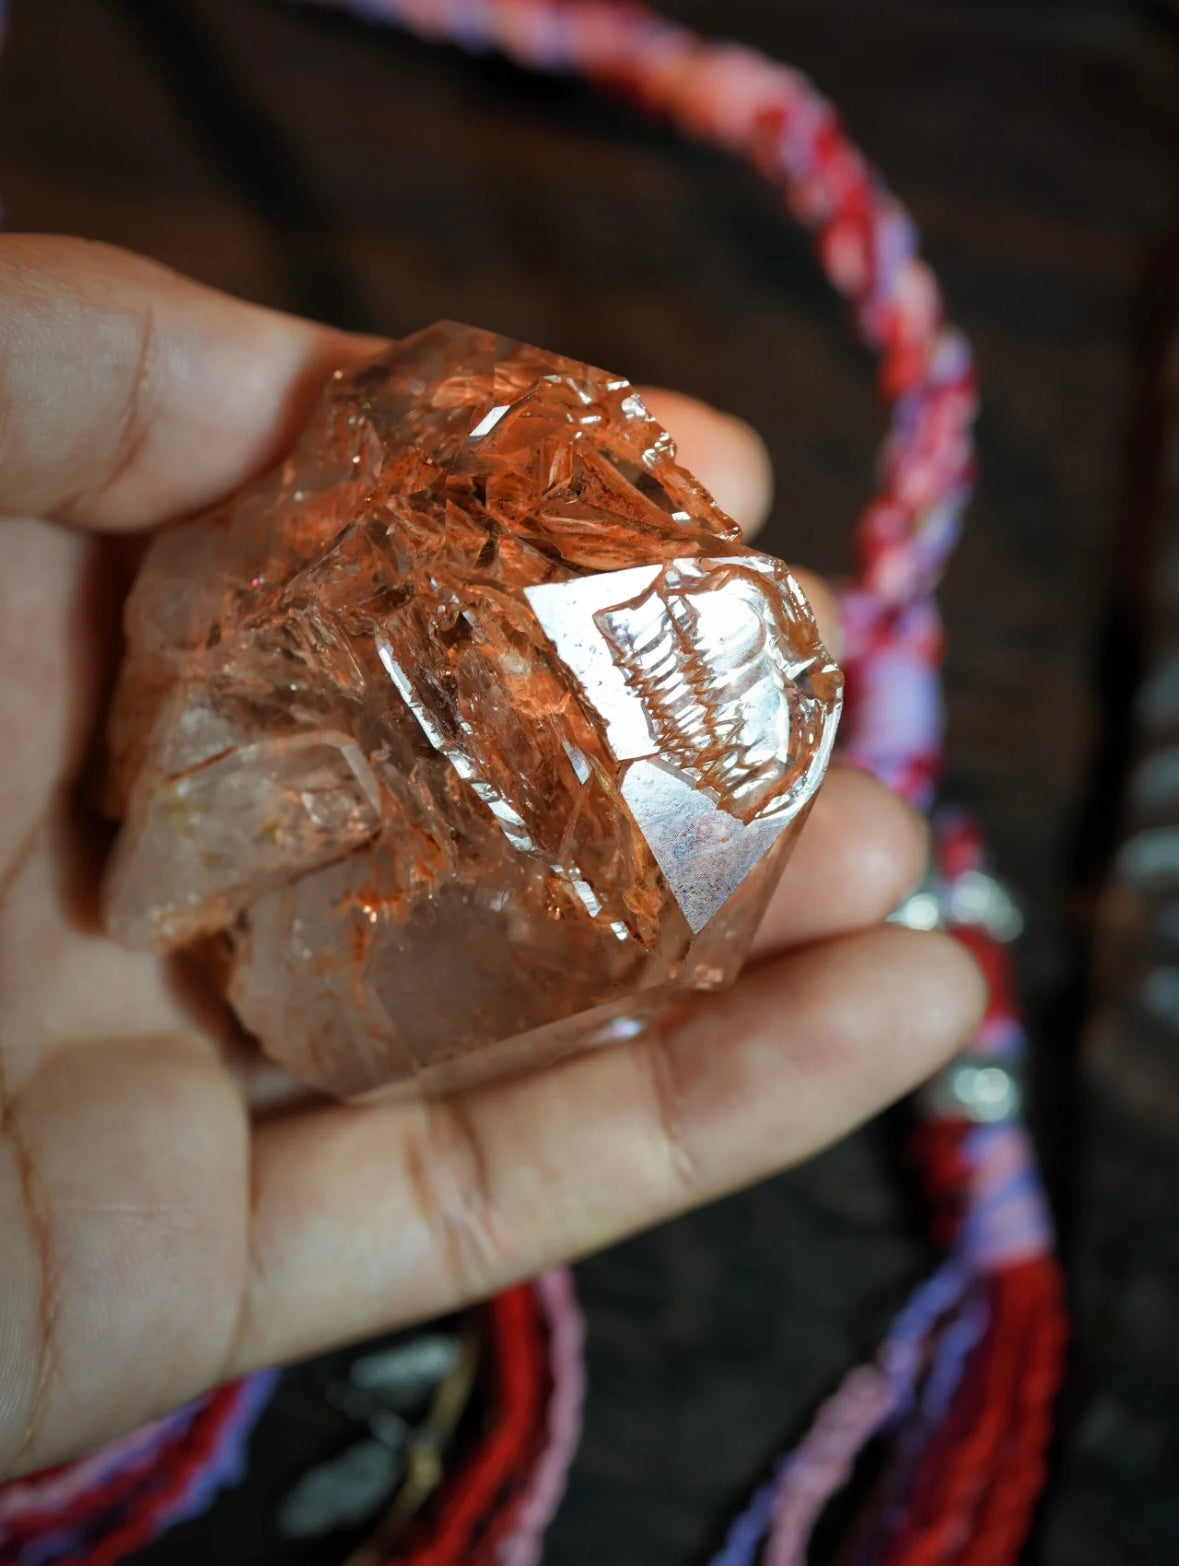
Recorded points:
(473, 732)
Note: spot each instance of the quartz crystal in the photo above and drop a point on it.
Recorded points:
(472, 734)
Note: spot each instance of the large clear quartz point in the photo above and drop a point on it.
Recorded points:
(473, 734)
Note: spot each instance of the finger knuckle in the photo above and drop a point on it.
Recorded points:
(657, 1063)
(447, 1166)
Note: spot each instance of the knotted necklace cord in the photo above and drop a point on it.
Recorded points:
(961, 1392)
(964, 1386)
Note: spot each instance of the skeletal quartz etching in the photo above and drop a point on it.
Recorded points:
(472, 734)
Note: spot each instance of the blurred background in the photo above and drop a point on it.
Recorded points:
(302, 159)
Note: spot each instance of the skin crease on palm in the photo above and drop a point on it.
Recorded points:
(159, 1230)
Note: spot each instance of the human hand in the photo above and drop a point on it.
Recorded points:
(158, 1232)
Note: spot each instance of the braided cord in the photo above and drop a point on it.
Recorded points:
(965, 1382)
(968, 1441)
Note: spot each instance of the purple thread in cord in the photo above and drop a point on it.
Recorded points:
(899, 1362)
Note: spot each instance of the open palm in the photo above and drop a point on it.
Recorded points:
(169, 1215)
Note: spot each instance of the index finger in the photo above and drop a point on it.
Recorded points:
(129, 394)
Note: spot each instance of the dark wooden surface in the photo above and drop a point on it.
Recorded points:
(302, 160)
